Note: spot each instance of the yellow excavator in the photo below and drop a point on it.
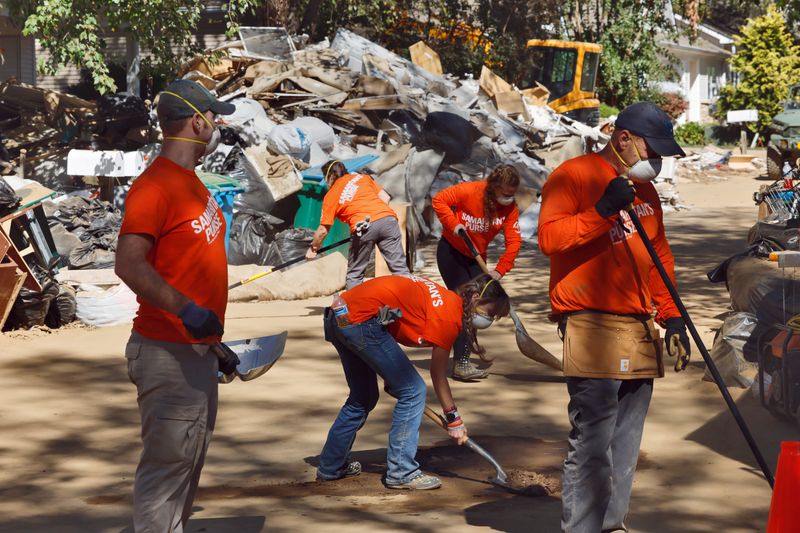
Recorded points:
(569, 71)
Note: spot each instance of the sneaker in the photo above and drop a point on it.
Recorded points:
(466, 371)
(353, 469)
(420, 482)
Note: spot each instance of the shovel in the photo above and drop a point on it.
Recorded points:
(256, 356)
(500, 478)
(529, 347)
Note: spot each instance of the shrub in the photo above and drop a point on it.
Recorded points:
(608, 110)
(673, 105)
(690, 133)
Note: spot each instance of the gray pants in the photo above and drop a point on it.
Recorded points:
(607, 417)
(385, 233)
(176, 386)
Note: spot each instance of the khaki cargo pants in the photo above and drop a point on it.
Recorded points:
(177, 395)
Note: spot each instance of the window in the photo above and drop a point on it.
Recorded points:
(589, 71)
(713, 83)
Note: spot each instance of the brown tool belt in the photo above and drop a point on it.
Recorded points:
(603, 345)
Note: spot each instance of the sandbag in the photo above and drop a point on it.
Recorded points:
(92, 254)
(308, 279)
(289, 140)
(110, 307)
(9, 200)
(62, 309)
(31, 307)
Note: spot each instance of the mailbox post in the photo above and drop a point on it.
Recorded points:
(740, 116)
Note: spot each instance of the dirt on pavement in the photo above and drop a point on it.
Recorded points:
(69, 427)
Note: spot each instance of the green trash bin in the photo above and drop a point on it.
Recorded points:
(310, 211)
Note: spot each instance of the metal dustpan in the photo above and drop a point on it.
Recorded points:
(256, 356)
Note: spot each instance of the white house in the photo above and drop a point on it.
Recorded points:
(702, 67)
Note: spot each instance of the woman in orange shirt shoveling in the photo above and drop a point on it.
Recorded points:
(355, 199)
(365, 325)
(482, 209)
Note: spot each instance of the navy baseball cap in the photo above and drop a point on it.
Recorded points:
(172, 101)
(647, 120)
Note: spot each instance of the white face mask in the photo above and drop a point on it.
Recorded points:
(481, 321)
(643, 170)
(213, 142)
(505, 200)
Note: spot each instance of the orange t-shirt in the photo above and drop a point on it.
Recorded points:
(431, 313)
(463, 204)
(595, 264)
(351, 199)
(172, 205)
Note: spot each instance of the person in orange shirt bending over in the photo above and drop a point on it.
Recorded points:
(365, 325)
(353, 199)
(482, 209)
(602, 287)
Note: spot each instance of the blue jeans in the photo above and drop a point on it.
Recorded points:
(607, 417)
(366, 351)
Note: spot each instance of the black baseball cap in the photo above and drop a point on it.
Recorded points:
(171, 107)
(648, 121)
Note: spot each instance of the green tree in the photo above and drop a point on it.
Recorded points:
(630, 31)
(767, 62)
(76, 31)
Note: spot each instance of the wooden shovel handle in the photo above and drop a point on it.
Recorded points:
(436, 417)
(473, 251)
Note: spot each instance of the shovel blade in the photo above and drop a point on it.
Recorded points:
(533, 350)
(256, 355)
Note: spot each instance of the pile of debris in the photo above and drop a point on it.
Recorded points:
(413, 128)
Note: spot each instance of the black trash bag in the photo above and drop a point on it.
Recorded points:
(97, 253)
(293, 243)
(31, 307)
(256, 196)
(9, 200)
(63, 308)
(252, 239)
(448, 133)
(774, 237)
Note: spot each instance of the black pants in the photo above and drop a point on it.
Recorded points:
(456, 269)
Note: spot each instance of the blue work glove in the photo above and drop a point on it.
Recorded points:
(200, 322)
(677, 341)
(619, 194)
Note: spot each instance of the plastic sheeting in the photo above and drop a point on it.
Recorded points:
(9, 200)
(729, 348)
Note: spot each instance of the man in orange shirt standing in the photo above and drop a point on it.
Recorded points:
(171, 253)
(356, 198)
(482, 209)
(603, 285)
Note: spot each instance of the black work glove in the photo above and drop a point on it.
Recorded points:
(229, 361)
(677, 341)
(200, 322)
(618, 195)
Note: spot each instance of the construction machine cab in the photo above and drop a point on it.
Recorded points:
(569, 71)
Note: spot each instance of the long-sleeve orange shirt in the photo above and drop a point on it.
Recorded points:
(463, 204)
(594, 263)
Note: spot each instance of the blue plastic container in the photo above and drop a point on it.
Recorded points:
(224, 190)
